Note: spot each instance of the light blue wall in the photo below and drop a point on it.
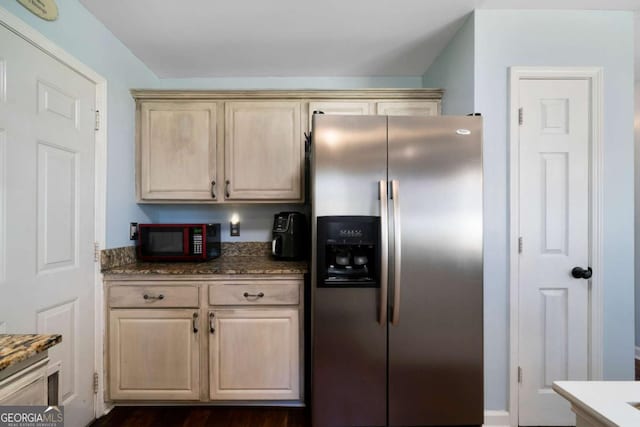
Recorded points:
(293, 82)
(453, 70)
(78, 32)
(507, 38)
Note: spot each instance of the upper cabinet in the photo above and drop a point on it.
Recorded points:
(264, 153)
(244, 146)
(349, 108)
(177, 150)
(408, 108)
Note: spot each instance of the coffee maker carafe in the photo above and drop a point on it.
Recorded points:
(348, 251)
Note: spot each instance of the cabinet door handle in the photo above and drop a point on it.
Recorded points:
(226, 188)
(248, 295)
(213, 189)
(212, 324)
(153, 297)
(195, 323)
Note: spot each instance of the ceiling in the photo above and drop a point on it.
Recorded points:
(242, 38)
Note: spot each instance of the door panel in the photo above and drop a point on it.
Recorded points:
(263, 150)
(154, 354)
(349, 345)
(178, 150)
(47, 136)
(554, 226)
(408, 108)
(253, 354)
(342, 108)
(435, 340)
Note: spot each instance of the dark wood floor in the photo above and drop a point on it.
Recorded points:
(212, 416)
(209, 416)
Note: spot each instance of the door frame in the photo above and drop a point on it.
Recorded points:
(594, 76)
(37, 39)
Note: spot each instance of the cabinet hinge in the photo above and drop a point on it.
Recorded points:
(520, 116)
(519, 375)
(96, 251)
(97, 127)
(519, 245)
(95, 383)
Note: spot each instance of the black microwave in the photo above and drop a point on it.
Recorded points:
(178, 242)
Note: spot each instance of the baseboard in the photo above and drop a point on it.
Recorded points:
(496, 418)
(637, 352)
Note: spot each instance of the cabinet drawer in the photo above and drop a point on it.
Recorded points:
(255, 293)
(153, 296)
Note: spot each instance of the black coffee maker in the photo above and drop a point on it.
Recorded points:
(348, 251)
(289, 236)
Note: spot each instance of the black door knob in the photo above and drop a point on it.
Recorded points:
(581, 273)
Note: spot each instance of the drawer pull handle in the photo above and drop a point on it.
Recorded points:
(248, 295)
(226, 189)
(153, 297)
(213, 189)
(195, 323)
(212, 325)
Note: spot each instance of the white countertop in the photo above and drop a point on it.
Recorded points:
(606, 401)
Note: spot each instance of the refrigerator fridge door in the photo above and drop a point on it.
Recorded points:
(435, 331)
(349, 159)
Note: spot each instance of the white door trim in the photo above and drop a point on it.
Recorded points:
(594, 75)
(28, 33)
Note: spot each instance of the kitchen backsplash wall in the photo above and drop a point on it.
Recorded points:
(255, 220)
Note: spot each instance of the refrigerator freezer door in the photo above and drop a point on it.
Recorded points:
(435, 347)
(349, 158)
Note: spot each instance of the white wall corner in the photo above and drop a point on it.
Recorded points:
(637, 352)
(496, 418)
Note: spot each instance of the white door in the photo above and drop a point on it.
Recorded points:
(554, 228)
(46, 258)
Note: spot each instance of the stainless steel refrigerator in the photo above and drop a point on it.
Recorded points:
(396, 288)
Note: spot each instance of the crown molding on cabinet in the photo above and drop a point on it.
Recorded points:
(152, 94)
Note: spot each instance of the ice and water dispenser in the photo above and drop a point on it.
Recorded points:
(348, 251)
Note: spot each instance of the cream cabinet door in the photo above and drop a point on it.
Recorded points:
(264, 154)
(25, 388)
(253, 354)
(349, 108)
(408, 108)
(177, 151)
(154, 354)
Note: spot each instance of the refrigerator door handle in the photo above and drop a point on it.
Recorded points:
(384, 251)
(397, 252)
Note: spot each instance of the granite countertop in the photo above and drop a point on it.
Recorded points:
(15, 348)
(223, 265)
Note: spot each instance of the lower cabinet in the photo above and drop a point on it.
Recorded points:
(253, 354)
(240, 338)
(26, 387)
(154, 354)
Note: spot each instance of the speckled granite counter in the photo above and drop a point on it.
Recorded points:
(222, 265)
(16, 348)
